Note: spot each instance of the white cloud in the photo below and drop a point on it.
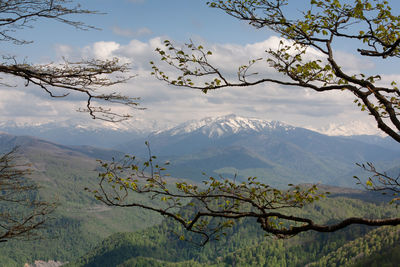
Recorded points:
(101, 50)
(171, 105)
(353, 64)
(26, 106)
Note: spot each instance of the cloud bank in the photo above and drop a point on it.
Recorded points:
(170, 105)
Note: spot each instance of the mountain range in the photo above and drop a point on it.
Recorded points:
(106, 134)
(273, 151)
(98, 133)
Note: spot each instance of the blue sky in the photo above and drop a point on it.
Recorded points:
(132, 29)
(175, 19)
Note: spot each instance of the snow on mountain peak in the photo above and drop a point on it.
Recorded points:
(348, 129)
(137, 125)
(225, 125)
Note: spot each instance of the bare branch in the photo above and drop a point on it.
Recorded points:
(86, 77)
(20, 14)
(21, 215)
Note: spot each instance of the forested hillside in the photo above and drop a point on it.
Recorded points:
(79, 222)
(247, 245)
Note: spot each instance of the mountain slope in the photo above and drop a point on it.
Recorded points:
(79, 221)
(275, 152)
(366, 250)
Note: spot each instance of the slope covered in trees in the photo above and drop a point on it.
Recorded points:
(247, 245)
(378, 246)
(79, 222)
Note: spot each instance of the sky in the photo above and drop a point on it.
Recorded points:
(132, 29)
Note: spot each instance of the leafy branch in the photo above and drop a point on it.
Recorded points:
(380, 181)
(371, 23)
(207, 209)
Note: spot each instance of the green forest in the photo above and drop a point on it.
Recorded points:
(244, 245)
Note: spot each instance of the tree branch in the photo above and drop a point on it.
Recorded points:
(21, 216)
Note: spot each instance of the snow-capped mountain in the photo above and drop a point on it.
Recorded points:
(224, 126)
(195, 136)
(270, 150)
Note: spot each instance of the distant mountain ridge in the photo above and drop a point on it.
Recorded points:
(350, 129)
(106, 134)
(76, 133)
(27, 143)
(275, 152)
